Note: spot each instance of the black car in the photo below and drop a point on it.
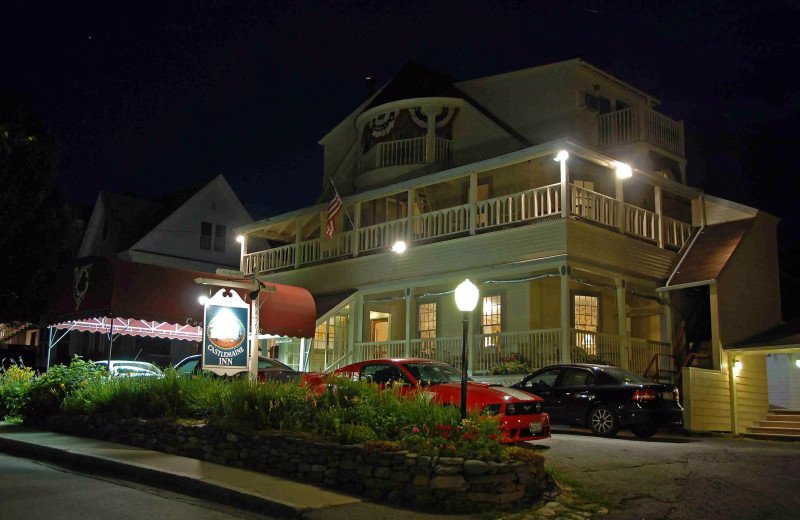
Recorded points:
(268, 369)
(604, 398)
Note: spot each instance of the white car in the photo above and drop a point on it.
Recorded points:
(131, 368)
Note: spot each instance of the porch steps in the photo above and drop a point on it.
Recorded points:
(777, 425)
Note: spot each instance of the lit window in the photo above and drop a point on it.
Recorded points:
(585, 308)
(491, 320)
(427, 328)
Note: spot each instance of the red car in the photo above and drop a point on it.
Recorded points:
(520, 412)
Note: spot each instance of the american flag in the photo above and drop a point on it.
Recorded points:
(334, 207)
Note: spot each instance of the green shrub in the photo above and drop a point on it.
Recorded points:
(15, 382)
(46, 394)
(510, 365)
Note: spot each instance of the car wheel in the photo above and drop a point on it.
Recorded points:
(644, 430)
(603, 421)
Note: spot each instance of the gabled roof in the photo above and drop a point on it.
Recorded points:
(415, 81)
(133, 218)
(706, 256)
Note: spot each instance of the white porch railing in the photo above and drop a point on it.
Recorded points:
(594, 206)
(443, 151)
(406, 151)
(269, 260)
(641, 124)
(379, 350)
(325, 248)
(538, 348)
(641, 352)
(519, 207)
(595, 347)
(447, 350)
(442, 222)
(641, 223)
(381, 235)
(676, 233)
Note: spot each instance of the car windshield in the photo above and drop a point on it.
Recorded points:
(264, 363)
(625, 376)
(434, 373)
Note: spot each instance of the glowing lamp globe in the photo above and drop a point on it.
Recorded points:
(466, 296)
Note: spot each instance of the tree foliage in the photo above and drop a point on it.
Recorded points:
(37, 232)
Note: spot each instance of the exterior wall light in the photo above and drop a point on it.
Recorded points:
(399, 247)
(737, 364)
(624, 171)
(797, 363)
(240, 239)
(466, 300)
(202, 300)
(563, 155)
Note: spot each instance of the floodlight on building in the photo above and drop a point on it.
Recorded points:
(399, 247)
(737, 364)
(202, 300)
(563, 155)
(624, 171)
(240, 239)
(797, 363)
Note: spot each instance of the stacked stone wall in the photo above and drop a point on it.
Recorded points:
(445, 483)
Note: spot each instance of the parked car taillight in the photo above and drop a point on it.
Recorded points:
(644, 395)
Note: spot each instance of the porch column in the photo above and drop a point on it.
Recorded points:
(430, 140)
(566, 336)
(412, 194)
(242, 252)
(473, 202)
(409, 318)
(622, 323)
(659, 215)
(357, 327)
(356, 225)
(620, 197)
(732, 394)
(716, 344)
(298, 232)
(566, 204)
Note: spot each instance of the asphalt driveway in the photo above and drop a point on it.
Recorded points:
(675, 477)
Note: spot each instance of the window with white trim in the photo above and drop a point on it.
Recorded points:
(212, 235)
(492, 320)
(426, 327)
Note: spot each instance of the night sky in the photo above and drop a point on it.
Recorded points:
(149, 97)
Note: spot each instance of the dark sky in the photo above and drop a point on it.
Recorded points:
(152, 96)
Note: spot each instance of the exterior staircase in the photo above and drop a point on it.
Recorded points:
(778, 425)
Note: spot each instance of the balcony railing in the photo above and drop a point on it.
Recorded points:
(641, 352)
(519, 207)
(406, 151)
(489, 215)
(641, 124)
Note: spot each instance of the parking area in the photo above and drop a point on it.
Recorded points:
(679, 477)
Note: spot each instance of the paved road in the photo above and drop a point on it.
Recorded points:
(684, 478)
(32, 490)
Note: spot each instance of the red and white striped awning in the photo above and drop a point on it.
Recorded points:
(130, 327)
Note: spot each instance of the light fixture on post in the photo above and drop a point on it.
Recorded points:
(399, 247)
(466, 300)
(202, 299)
(624, 171)
(563, 155)
(240, 239)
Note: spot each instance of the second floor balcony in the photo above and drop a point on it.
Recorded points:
(460, 205)
(637, 124)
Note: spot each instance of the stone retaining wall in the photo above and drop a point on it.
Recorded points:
(448, 484)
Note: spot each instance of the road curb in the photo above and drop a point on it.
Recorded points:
(178, 483)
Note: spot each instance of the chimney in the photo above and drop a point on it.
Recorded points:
(370, 84)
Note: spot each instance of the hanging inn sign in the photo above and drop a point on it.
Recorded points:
(226, 319)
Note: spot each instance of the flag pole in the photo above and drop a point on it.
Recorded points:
(344, 206)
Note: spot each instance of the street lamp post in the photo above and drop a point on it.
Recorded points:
(466, 299)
